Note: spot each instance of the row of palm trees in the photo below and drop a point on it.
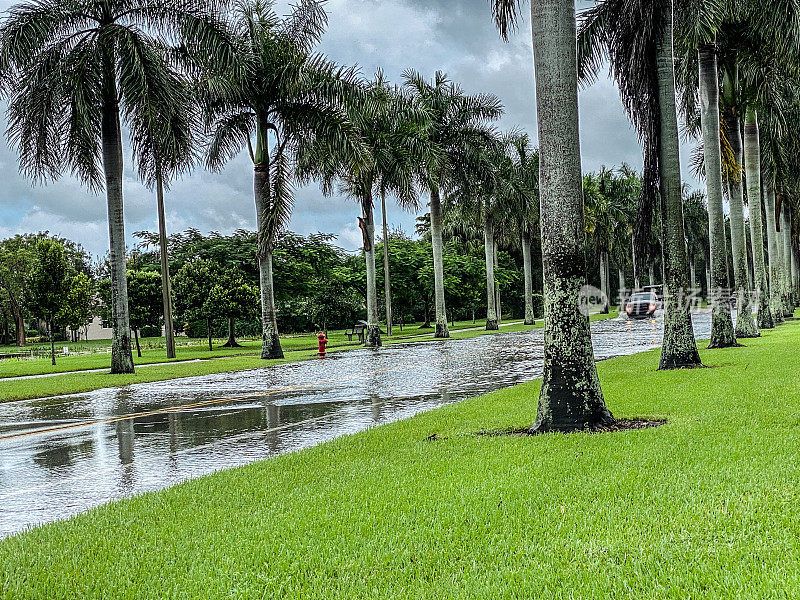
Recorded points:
(752, 48)
(193, 81)
(74, 71)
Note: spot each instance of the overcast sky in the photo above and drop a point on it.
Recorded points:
(456, 36)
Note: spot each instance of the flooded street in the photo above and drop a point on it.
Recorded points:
(61, 456)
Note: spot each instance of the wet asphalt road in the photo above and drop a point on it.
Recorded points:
(61, 456)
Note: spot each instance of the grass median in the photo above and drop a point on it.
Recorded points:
(706, 506)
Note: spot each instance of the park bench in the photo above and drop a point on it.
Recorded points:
(358, 330)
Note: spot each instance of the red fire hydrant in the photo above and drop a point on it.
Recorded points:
(323, 341)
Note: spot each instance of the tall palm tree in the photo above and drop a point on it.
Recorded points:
(73, 71)
(525, 209)
(281, 101)
(732, 119)
(570, 397)
(456, 122)
(722, 331)
(774, 250)
(391, 127)
(165, 147)
(637, 37)
(752, 164)
(606, 220)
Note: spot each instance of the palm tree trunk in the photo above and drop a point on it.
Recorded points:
(792, 275)
(136, 337)
(372, 335)
(208, 327)
(679, 347)
(786, 275)
(527, 267)
(795, 275)
(387, 283)
(270, 341)
(722, 332)
(692, 274)
(438, 265)
(745, 323)
(622, 291)
(752, 164)
(491, 296)
(774, 255)
(52, 344)
(166, 291)
(570, 396)
(636, 283)
(604, 280)
(497, 305)
(111, 139)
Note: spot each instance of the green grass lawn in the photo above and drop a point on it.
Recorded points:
(296, 347)
(707, 506)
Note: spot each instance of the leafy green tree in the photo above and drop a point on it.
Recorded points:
(144, 297)
(48, 286)
(146, 302)
(17, 256)
(193, 284)
(232, 297)
(291, 101)
(79, 306)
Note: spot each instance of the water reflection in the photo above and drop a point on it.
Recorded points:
(75, 452)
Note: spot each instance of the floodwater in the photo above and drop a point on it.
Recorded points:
(61, 456)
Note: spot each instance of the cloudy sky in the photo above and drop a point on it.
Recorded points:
(456, 36)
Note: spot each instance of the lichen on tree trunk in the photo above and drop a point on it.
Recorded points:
(570, 397)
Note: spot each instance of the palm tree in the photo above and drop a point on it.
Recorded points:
(570, 397)
(286, 99)
(606, 220)
(72, 70)
(525, 209)
(165, 148)
(456, 122)
(637, 37)
(391, 128)
(732, 120)
(722, 331)
(752, 164)
(773, 247)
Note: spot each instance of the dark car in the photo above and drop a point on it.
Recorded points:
(642, 305)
